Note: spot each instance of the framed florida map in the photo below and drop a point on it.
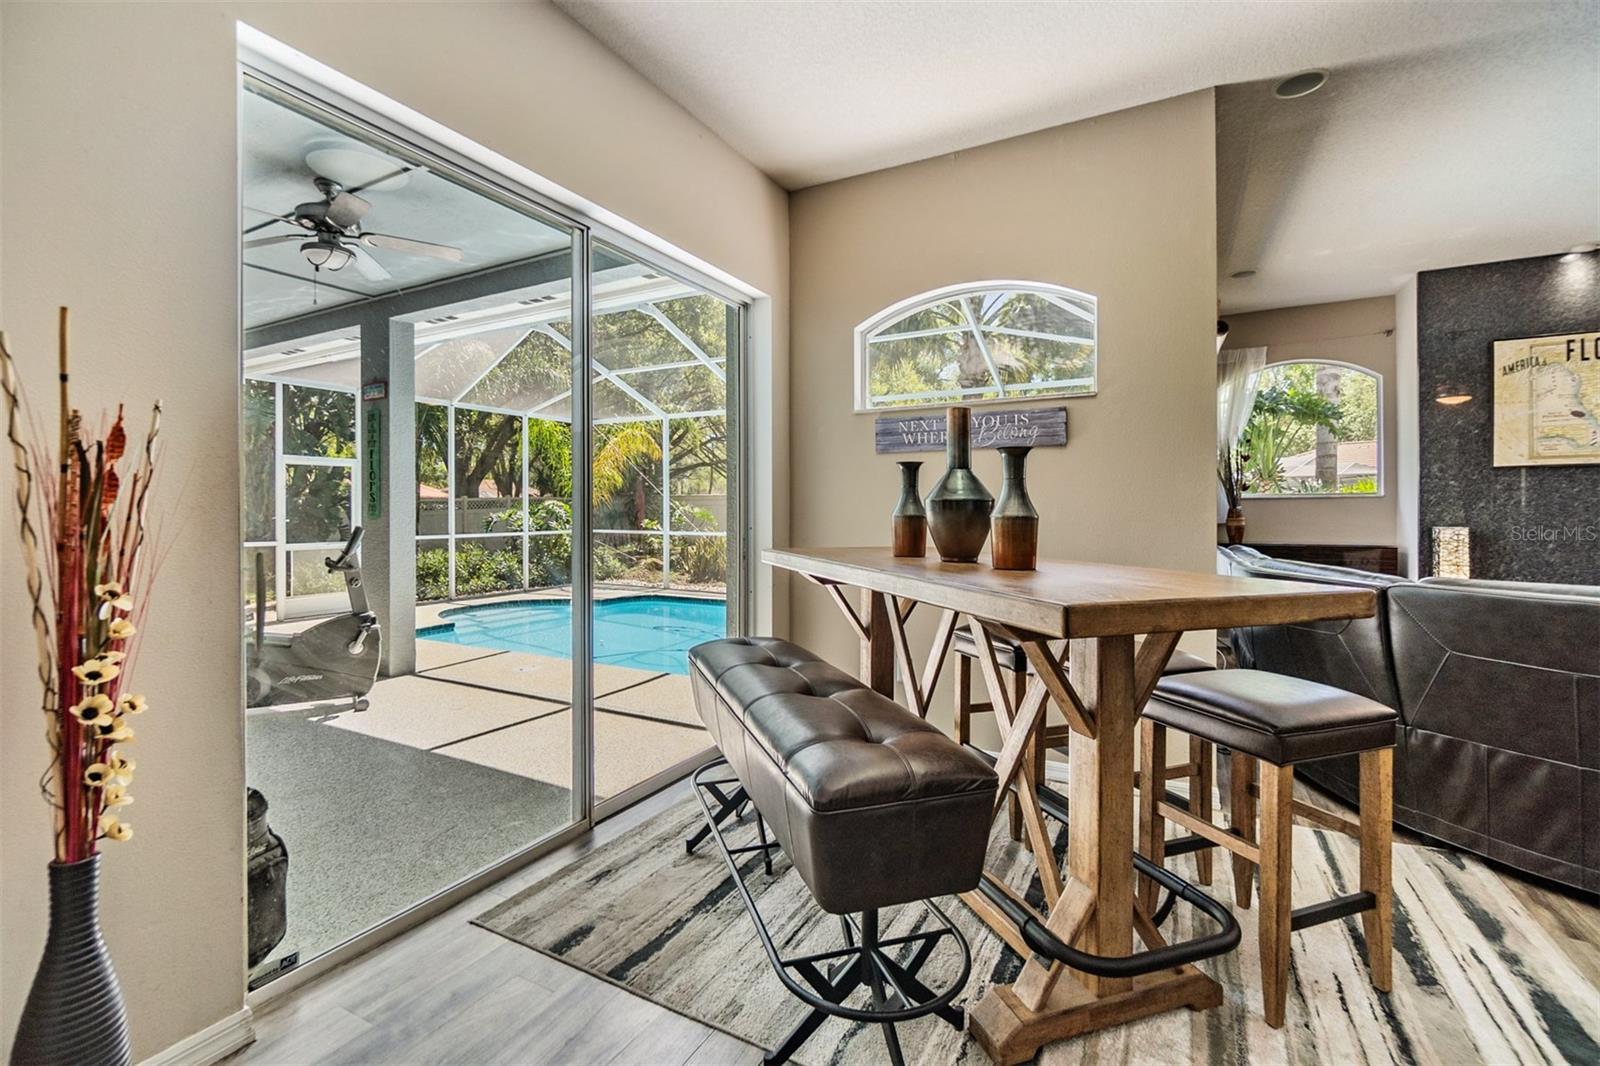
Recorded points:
(1547, 400)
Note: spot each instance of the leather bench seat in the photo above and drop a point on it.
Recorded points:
(873, 806)
(1279, 719)
(1010, 656)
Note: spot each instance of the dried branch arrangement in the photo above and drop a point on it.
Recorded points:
(88, 569)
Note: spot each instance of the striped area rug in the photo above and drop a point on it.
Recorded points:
(1476, 979)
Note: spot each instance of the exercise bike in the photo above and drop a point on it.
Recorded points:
(334, 660)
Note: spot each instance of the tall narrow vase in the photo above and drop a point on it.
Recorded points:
(1016, 523)
(74, 1014)
(910, 521)
(959, 505)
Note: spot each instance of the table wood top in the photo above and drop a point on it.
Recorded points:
(1080, 599)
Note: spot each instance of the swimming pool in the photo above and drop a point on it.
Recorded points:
(643, 632)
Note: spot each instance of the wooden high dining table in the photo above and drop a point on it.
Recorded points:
(1100, 683)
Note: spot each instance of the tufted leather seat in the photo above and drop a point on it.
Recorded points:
(873, 805)
(1282, 720)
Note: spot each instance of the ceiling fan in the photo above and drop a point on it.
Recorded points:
(337, 239)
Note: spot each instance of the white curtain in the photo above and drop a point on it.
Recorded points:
(1238, 380)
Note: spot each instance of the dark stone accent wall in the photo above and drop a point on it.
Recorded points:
(1528, 523)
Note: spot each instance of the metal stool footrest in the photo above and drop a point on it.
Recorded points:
(1046, 944)
(824, 980)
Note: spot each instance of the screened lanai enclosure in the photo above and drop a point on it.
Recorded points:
(537, 432)
(494, 445)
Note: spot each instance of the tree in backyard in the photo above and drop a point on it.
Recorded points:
(1283, 422)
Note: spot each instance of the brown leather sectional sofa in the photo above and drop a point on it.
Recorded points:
(1498, 689)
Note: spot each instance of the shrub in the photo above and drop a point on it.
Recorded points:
(433, 574)
(481, 569)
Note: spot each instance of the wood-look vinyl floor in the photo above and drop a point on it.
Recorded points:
(450, 992)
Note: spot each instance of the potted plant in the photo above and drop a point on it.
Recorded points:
(1231, 465)
(88, 569)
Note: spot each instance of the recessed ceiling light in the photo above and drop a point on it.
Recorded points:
(1240, 275)
(1303, 84)
(1578, 250)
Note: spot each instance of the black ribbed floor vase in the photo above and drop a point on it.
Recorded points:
(74, 1015)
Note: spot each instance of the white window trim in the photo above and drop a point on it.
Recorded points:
(865, 335)
(1382, 453)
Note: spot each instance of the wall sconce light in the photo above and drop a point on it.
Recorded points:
(1452, 551)
(1451, 394)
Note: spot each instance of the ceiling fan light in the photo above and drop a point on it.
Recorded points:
(326, 255)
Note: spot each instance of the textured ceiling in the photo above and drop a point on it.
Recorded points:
(1449, 132)
(813, 90)
(1469, 154)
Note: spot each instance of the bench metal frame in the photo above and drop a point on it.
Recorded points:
(825, 980)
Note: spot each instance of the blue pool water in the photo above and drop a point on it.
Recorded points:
(642, 632)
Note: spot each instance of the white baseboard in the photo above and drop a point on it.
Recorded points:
(212, 1044)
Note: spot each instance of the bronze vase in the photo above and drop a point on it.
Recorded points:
(958, 507)
(1016, 522)
(910, 521)
(1235, 526)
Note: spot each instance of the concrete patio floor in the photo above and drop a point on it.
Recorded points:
(449, 770)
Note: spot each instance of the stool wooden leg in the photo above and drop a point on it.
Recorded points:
(1277, 848)
(1201, 785)
(1377, 832)
(1019, 689)
(1152, 785)
(963, 700)
(1242, 817)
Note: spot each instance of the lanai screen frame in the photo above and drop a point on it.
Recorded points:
(724, 368)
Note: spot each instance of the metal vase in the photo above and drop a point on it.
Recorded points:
(909, 522)
(1016, 522)
(958, 507)
(74, 1015)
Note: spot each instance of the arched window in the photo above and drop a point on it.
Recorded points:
(1315, 429)
(984, 341)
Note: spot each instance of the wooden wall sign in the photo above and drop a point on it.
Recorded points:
(1042, 427)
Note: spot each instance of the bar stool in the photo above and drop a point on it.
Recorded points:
(1272, 722)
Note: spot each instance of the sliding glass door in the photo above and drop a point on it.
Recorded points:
(537, 434)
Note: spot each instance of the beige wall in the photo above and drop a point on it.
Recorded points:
(1352, 331)
(119, 188)
(1121, 206)
(1408, 448)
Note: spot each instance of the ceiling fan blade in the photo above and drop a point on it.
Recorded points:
(281, 238)
(346, 209)
(411, 247)
(263, 225)
(367, 266)
(377, 183)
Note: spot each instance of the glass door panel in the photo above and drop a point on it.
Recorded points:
(463, 756)
(662, 459)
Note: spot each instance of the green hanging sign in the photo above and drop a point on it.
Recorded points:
(374, 449)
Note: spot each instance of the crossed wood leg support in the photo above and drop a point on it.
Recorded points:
(1093, 907)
